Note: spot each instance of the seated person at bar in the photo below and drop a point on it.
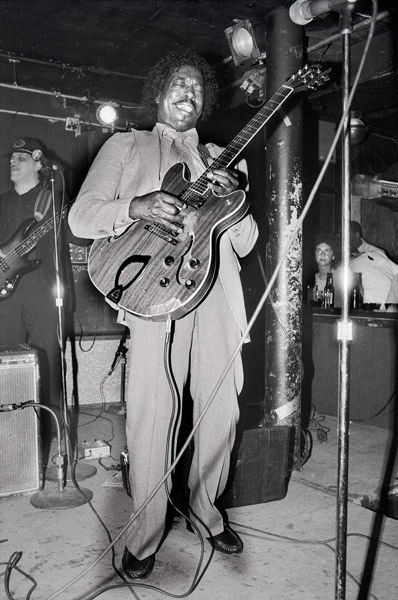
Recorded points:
(325, 257)
(392, 298)
(378, 271)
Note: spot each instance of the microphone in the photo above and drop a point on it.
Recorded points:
(38, 156)
(302, 12)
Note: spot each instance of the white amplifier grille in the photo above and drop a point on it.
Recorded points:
(20, 452)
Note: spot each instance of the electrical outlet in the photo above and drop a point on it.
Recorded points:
(95, 449)
(72, 124)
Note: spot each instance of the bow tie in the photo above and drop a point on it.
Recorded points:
(175, 135)
(172, 134)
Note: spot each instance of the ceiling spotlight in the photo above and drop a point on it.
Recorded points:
(358, 128)
(107, 114)
(242, 42)
(253, 85)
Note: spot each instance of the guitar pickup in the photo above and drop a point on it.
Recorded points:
(164, 234)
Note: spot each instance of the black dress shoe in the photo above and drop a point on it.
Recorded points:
(228, 541)
(135, 568)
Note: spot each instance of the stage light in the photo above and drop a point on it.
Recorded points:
(254, 85)
(242, 42)
(107, 114)
(358, 128)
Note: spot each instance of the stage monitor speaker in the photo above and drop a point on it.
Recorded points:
(261, 470)
(20, 451)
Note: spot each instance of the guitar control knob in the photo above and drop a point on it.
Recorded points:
(190, 284)
(168, 261)
(194, 263)
(164, 282)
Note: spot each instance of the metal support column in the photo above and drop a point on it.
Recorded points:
(283, 141)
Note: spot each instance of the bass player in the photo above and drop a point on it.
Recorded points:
(28, 313)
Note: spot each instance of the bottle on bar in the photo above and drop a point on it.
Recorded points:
(357, 292)
(328, 292)
(316, 294)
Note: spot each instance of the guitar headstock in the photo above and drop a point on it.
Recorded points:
(309, 77)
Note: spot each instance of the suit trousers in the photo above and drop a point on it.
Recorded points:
(202, 343)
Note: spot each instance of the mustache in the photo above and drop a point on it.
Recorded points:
(187, 101)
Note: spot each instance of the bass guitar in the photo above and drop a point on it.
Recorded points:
(154, 273)
(14, 262)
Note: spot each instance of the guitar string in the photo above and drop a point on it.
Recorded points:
(229, 153)
(251, 129)
(246, 135)
(42, 230)
(284, 91)
(226, 157)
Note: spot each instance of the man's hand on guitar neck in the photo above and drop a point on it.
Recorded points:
(223, 181)
(166, 209)
(160, 207)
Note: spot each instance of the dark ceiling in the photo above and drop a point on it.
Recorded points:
(103, 49)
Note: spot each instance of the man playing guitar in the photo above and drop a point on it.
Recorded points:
(124, 189)
(28, 313)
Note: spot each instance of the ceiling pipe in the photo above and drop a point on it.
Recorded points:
(81, 99)
(94, 70)
(49, 118)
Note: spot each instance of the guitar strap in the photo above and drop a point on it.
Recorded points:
(204, 154)
(42, 204)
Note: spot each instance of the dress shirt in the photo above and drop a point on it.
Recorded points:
(377, 271)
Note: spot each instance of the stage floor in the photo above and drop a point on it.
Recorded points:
(289, 543)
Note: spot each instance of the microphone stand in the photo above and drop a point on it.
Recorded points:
(63, 497)
(120, 356)
(344, 331)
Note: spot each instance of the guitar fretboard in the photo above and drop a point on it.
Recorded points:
(31, 240)
(240, 141)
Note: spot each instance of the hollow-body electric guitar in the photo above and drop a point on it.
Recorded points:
(14, 262)
(154, 273)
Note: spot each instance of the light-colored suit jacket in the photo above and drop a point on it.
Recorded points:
(128, 165)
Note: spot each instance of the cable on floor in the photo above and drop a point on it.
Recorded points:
(327, 543)
(315, 425)
(11, 565)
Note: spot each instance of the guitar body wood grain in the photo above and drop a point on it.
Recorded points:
(153, 273)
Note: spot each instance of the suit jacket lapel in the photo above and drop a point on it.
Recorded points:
(149, 149)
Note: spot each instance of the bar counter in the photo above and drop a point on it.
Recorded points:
(373, 366)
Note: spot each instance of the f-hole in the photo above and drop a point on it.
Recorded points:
(116, 293)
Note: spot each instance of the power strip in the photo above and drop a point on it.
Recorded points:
(96, 449)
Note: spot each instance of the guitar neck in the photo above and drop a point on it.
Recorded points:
(31, 240)
(240, 141)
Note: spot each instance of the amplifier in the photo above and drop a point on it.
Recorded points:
(261, 470)
(20, 450)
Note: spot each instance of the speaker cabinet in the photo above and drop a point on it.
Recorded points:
(20, 454)
(261, 470)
